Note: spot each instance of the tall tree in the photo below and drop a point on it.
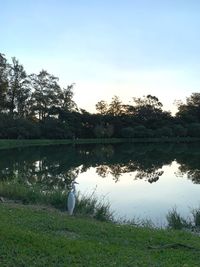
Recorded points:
(3, 81)
(190, 112)
(66, 99)
(102, 107)
(46, 94)
(148, 111)
(147, 108)
(149, 101)
(18, 89)
(115, 107)
(193, 100)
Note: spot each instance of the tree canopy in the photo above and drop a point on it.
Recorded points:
(36, 106)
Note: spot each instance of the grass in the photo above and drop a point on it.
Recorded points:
(43, 236)
(34, 236)
(85, 205)
(196, 218)
(176, 221)
(90, 206)
(13, 143)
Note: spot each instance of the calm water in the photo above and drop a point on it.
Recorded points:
(138, 180)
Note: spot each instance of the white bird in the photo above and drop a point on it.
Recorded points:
(71, 200)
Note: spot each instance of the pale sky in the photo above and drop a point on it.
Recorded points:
(127, 48)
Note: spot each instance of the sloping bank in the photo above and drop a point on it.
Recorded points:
(36, 236)
(12, 143)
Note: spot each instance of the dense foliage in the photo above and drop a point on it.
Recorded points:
(35, 106)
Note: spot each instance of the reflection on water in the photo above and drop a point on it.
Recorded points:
(140, 179)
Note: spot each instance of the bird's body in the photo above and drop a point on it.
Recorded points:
(71, 200)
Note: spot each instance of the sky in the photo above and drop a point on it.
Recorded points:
(128, 48)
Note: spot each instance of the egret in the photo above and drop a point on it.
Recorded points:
(71, 200)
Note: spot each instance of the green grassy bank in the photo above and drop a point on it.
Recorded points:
(86, 205)
(13, 143)
(36, 236)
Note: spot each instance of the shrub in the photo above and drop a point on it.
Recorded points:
(194, 129)
(175, 221)
(164, 132)
(140, 131)
(196, 217)
(179, 130)
(85, 205)
(127, 132)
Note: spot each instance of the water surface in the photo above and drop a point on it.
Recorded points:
(139, 180)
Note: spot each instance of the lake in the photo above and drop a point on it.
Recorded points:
(138, 180)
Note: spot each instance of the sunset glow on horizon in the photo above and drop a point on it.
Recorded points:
(124, 48)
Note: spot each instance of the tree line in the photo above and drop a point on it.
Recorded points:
(36, 106)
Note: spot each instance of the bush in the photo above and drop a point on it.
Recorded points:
(54, 129)
(194, 129)
(140, 131)
(179, 130)
(127, 132)
(85, 205)
(196, 218)
(164, 132)
(18, 128)
(175, 221)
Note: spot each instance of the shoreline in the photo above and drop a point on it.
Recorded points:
(14, 143)
(36, 236)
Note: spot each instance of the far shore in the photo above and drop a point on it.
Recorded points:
(14, 143)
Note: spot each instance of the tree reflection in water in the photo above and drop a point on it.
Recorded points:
(189, 164)
(56, 167)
